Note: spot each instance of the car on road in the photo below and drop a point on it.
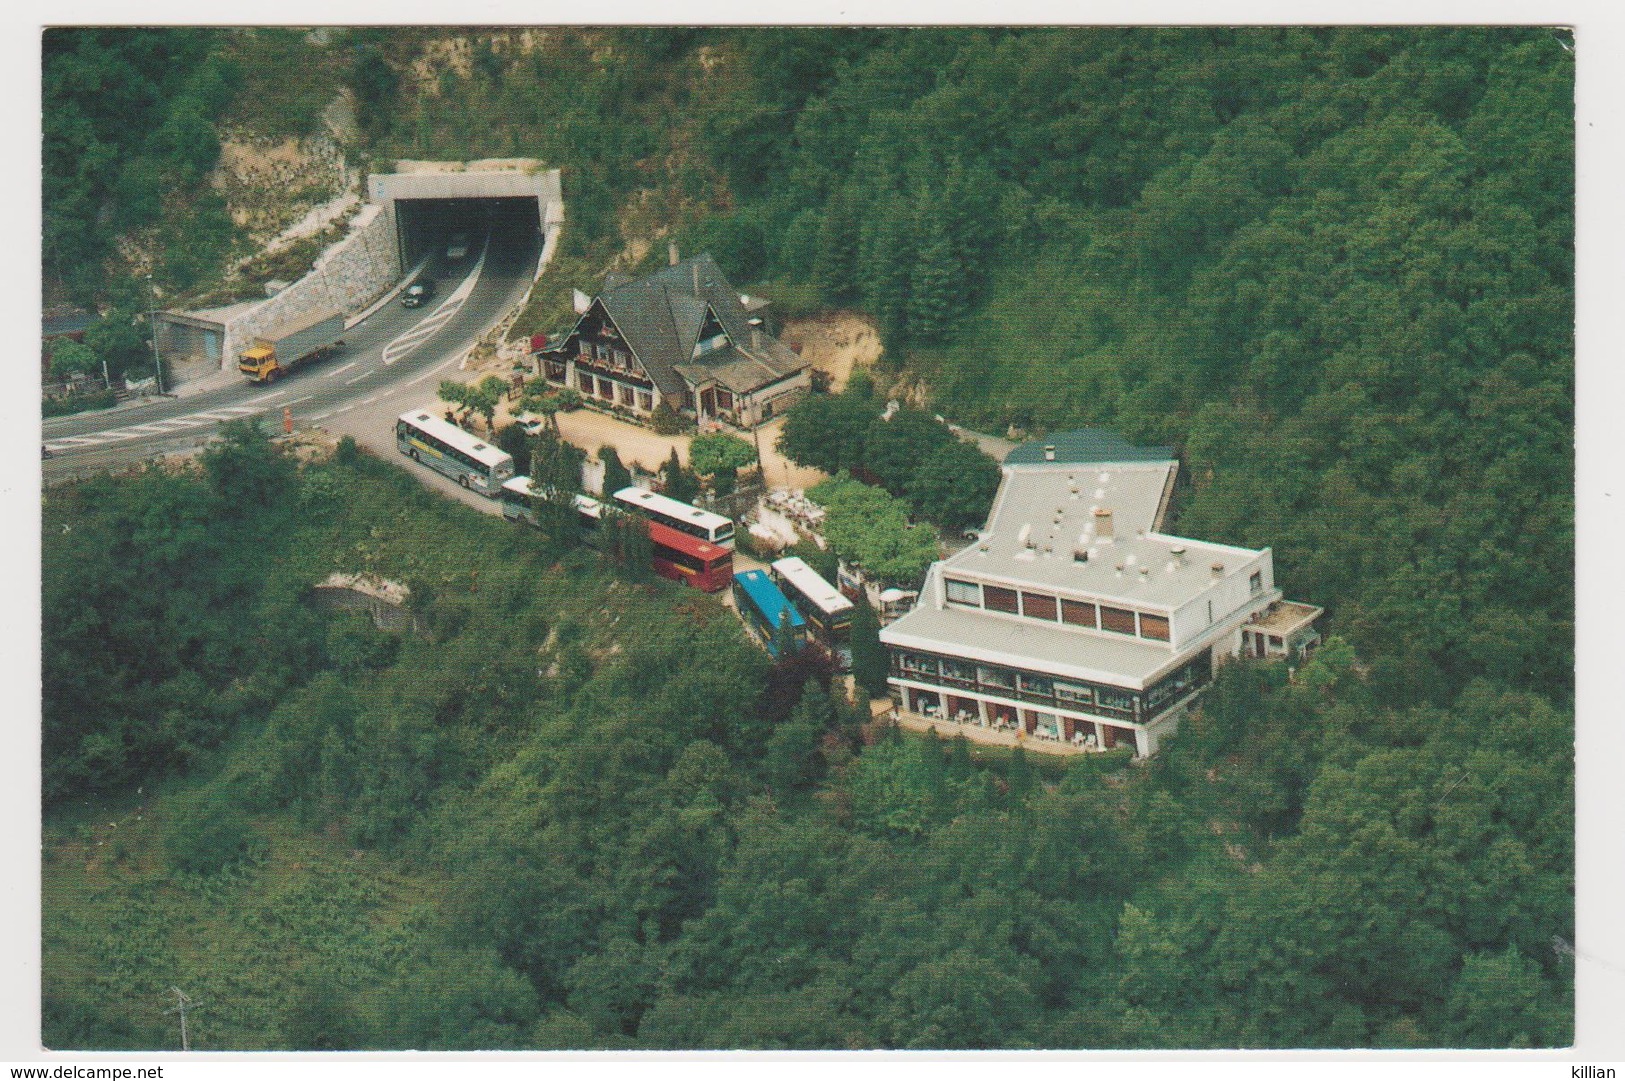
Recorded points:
(418, 292)
(458, 246)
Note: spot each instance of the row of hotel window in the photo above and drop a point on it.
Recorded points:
(611, 391)
(1052, 609)
(606, 355)
(1032, 687)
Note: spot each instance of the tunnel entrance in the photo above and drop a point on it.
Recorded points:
(430, 227)
(440, 206)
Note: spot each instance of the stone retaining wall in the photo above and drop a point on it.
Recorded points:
(349, 276)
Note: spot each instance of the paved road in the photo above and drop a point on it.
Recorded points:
(391, 362)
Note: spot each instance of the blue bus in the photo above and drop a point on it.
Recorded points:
(768, 614)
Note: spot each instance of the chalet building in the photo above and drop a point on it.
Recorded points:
(681, 336)
(1073, 618)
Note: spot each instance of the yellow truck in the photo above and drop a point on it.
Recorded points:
(304, 339)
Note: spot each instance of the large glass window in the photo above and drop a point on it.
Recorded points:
(1074, 692)
(999, 599)
(998, 678)
(1038, 606)
(1153, 627)
(1039, 685)
(1120, 620)
(964, 592)
(1113, 699)
(919, 664)
(1078, 613)
(958, 671)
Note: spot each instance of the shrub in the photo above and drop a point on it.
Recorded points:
(667, 421)
(207, 833)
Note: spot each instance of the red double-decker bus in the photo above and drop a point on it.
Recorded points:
(683, 558)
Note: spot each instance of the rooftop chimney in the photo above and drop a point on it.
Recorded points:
(1049, 452)
(1080, 554)
(671, 252)
(1103, 524)
(1218, 570)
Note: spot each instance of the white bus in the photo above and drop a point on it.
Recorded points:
(517, 507)
(713, 528)
(465, 458)
(828, 611)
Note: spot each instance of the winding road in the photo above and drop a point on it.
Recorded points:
(392, 361)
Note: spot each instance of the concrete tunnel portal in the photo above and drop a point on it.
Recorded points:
(431, 206)
(413, 215)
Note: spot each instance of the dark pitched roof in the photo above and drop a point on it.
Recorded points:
(661, 317)
(1086, 445)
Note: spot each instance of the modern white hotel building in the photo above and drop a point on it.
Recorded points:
(1073, 619)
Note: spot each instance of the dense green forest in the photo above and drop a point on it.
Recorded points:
(1332, 267)
(611, 845)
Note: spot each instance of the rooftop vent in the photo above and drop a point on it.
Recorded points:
(1218, 570)
(1177, 551)
(1080, 555)
(1025, 537)
(1145, 572)
(1103, 524)
(1119, 570)
(1049, 452)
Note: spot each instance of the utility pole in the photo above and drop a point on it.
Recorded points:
(152, 329)
(182, 1004)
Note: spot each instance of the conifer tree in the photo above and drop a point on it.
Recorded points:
(870, 664)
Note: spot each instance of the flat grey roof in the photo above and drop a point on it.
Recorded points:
(1025, 643)
(1086, 445)
(1055, 504)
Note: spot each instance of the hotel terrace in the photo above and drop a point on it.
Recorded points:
(1073, 622)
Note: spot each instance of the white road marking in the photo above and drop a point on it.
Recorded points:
(369, 401)
(415, 337)
(268, 397)
(296, 401)
(357, 379)
(346, 368)
(431, 371)
(342, 409)
(321, 416)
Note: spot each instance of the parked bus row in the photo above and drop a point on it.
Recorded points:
(783, 610)
(673, 554)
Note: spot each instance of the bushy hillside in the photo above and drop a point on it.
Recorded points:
(1333, 267)
(579, 811)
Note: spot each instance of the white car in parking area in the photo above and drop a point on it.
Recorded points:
(458, 248)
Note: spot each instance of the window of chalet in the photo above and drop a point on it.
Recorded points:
(1078, 613)
(1038, 606)
(645, 401)
(999, 599)
(1153, 627)
(964, 592)
(1120, 620)
(585, 382)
